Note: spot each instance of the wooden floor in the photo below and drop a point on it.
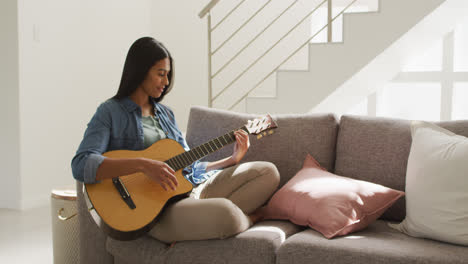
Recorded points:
(26, 236)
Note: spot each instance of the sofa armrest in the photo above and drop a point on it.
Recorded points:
(92, 239)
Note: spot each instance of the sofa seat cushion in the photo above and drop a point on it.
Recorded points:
(377, 244)
(257, 244)
(296, 135)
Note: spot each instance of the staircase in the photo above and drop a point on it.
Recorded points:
(339, 75)
(378, 71)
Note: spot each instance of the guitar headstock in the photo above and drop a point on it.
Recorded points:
(261, 126)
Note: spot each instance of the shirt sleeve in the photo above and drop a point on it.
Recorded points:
(95, 141)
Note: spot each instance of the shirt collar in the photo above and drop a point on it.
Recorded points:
(128, 104)
(131, 106)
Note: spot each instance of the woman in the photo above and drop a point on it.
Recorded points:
(134, 119)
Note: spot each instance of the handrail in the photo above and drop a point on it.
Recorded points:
(297, 50)
(245, 23)
(228, 14)
(274, 45)
(207, 8)
(250, 42)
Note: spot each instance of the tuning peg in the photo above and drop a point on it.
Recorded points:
(259, 136)
(270, 132)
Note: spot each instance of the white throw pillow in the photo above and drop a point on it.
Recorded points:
(436, 185)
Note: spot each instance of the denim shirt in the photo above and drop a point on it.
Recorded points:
(117, 125)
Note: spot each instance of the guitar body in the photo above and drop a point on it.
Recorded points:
(114, 215)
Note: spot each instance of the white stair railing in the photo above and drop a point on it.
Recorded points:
(211, 76)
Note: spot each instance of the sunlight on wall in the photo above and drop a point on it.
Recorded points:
(359, 109)
(460, 52)
(419, 101)
(460, 106)
(430, 61)
(422, 90)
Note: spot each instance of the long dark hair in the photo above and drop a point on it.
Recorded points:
(141, 56)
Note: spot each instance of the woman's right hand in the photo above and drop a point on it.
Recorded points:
(161, 173)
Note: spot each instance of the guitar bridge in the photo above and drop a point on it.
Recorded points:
(118, 184)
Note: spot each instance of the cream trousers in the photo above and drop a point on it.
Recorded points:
(218, 208)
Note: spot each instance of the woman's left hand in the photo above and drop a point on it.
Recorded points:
(242, 145)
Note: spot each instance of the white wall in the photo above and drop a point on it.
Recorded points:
(71, 55)
(386, 65)
(9, 107)
(185, 35)
(440, 76)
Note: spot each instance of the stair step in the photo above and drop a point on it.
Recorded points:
(332, 64)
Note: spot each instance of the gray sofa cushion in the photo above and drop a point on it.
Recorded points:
(377, 244)
(295, 136)
(376, 149)
(256, 245)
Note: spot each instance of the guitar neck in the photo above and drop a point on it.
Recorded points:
(187, 158)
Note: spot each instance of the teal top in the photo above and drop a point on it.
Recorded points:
(152, 130)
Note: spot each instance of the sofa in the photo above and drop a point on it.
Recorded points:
(360, 147)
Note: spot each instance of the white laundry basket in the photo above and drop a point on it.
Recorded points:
(65, 227)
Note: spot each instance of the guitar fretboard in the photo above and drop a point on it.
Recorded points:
(185, 159)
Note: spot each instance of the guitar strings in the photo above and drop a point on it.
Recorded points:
(185, 157)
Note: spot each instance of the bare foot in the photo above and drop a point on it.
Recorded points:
(257, 215)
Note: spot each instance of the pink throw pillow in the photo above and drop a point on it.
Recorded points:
(332, 205)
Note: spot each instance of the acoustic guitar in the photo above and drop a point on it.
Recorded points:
(126, 207)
